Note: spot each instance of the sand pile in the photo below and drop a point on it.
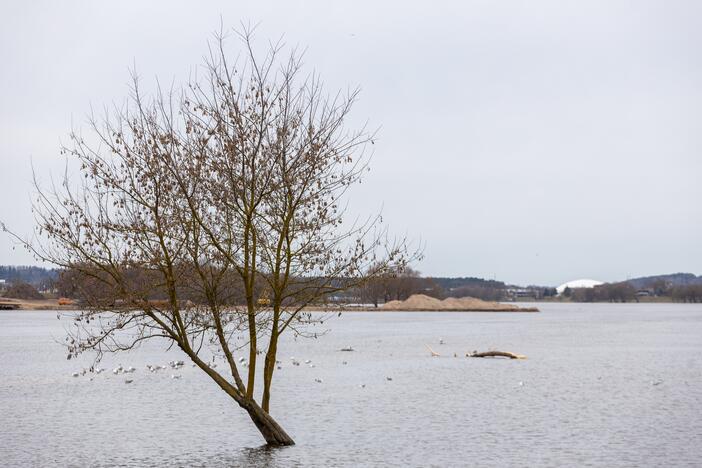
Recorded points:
(414, 302)
(423, 302)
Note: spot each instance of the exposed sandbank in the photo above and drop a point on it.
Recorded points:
(421, 302)
(415, 303)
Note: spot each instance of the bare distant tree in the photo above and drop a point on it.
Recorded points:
(374, 290)
(397, 284)
(22, 290)
(402, 284)
(239, 178)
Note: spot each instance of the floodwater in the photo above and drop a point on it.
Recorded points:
(604, 385)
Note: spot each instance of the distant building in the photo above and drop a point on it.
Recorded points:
(521, 292)
(581, 283)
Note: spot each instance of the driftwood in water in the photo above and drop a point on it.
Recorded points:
(433, 353)
(496, 354)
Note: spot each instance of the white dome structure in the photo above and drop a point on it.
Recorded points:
(581, 283)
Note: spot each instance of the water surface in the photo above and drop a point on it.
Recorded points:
(604, 385)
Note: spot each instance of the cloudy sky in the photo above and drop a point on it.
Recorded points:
(534, 142)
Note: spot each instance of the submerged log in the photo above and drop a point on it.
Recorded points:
(487, 354)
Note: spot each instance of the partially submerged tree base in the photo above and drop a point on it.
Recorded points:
(504, 354)
(267, 426)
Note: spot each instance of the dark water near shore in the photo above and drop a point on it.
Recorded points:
(604, 385)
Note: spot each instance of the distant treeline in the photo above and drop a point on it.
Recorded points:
(680, 287)
(409, 282)
(625, 291)
(398, 286)
(663, 282)
(40, 278)
(489, 290)
(609, 292)
(690, 293)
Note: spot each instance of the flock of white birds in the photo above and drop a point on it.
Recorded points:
(177, 365)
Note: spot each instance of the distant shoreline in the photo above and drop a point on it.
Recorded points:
(640, 299)
(52, 304)
(380, 309)
(34, 304)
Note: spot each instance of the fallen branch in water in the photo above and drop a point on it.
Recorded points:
(433, 353)
(495, 354)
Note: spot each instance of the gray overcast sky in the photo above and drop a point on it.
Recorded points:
(534, 142)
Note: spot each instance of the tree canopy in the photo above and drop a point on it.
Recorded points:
(226, 198)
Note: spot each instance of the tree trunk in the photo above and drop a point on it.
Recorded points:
(269, 428)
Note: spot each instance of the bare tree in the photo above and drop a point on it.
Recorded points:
(398, 284)
(375, 289)
(402, 284)
(236, 179)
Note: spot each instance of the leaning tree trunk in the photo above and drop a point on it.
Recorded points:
(269, 428)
